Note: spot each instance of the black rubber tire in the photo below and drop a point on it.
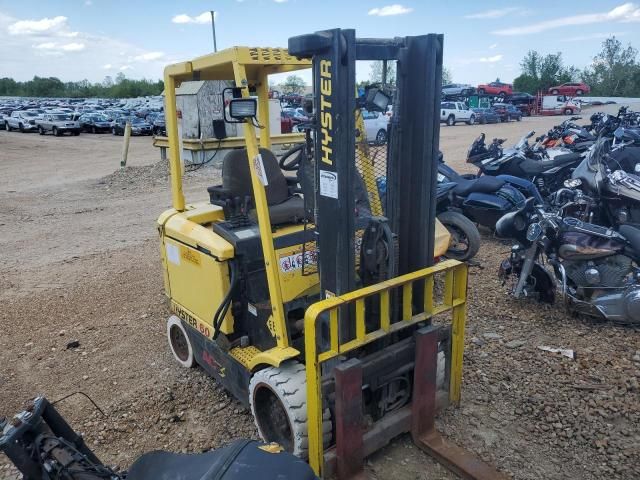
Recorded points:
(481, 91)
(284, 389)
(381, 137)
(554, 92)
(502, 94)
(461, 226)
(7, 127)
(568, 111)
(55, 132)
(94, 129)
(179, 343)
(451, 120)
(76, 133)
(41, 130)
(579, 92)
(472, 120)
(519, 118)
(21, 128)
(113, 130)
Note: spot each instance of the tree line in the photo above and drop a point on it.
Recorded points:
(120, 87)
(614, 71)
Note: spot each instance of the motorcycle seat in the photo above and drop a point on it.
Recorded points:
(484, 184)
(535, 167)
(241, 459)
(632, 234)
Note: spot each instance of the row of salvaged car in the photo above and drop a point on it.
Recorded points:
(501, 89)
(64, 120)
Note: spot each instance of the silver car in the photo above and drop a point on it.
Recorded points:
(457, 89)
(21, 120)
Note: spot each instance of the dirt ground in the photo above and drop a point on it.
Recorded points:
(79, 261)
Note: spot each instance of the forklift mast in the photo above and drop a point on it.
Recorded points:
(411, 156)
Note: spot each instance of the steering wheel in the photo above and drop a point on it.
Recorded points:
(293, 164)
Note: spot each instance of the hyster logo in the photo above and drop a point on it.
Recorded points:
(326, 118)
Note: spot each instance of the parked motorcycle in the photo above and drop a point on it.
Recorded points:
(546, 169)
(568, 134)
(594, 266)
(484, 199)
(607, 184)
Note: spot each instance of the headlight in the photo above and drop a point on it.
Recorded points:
(533, 232)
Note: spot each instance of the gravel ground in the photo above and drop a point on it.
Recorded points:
(79, 261)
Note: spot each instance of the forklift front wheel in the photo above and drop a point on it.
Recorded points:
(179, 342)
(278, 398)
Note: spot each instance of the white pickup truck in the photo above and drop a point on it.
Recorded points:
(454, 112)
(58, 124)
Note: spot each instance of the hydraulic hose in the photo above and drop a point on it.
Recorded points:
(222, 310)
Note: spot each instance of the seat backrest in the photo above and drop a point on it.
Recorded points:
(236, 176)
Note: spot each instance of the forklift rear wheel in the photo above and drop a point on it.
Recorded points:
(179, 342)
(278, 398)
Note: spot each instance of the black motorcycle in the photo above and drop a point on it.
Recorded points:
(545, 171)
(485, 199)
(595, 268)
(605, 186)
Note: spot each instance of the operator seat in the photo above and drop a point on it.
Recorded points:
(284, 206)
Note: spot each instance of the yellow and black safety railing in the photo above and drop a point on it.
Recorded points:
(453, 300)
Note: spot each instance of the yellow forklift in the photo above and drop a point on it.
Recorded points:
(306, 285)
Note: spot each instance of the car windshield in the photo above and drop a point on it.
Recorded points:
(60, 116)
(30, 114)
(137, 120)
(100, 118)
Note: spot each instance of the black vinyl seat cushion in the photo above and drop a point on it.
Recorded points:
(242, 459)
(534, 167)
(236, 178)
(632, 234)
(484, 184)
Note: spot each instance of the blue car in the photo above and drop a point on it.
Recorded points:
(486, 115)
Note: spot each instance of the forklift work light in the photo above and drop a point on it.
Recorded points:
(241, 108)
(377, 99)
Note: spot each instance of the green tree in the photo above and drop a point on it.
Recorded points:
(294, 85)
(539, 72)
(54, 87)
(446, 76)
(375, 75)
(614, 71)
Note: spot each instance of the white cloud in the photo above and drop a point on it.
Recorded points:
(56, 49)
(494, 59)
(593, 36)
(68, 47)
(203, 18)
(395, 9)
(45, 46)
(277, 1)
(627, 12)
(28, 27)
(146, 57)
(73, 47)
(493, 46)
(497, 13)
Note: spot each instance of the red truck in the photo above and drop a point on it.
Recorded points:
(496, 88)
(573, 89)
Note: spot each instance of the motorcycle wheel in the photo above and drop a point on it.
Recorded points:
(465, 238)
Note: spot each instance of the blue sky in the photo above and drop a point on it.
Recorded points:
(77, 39)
